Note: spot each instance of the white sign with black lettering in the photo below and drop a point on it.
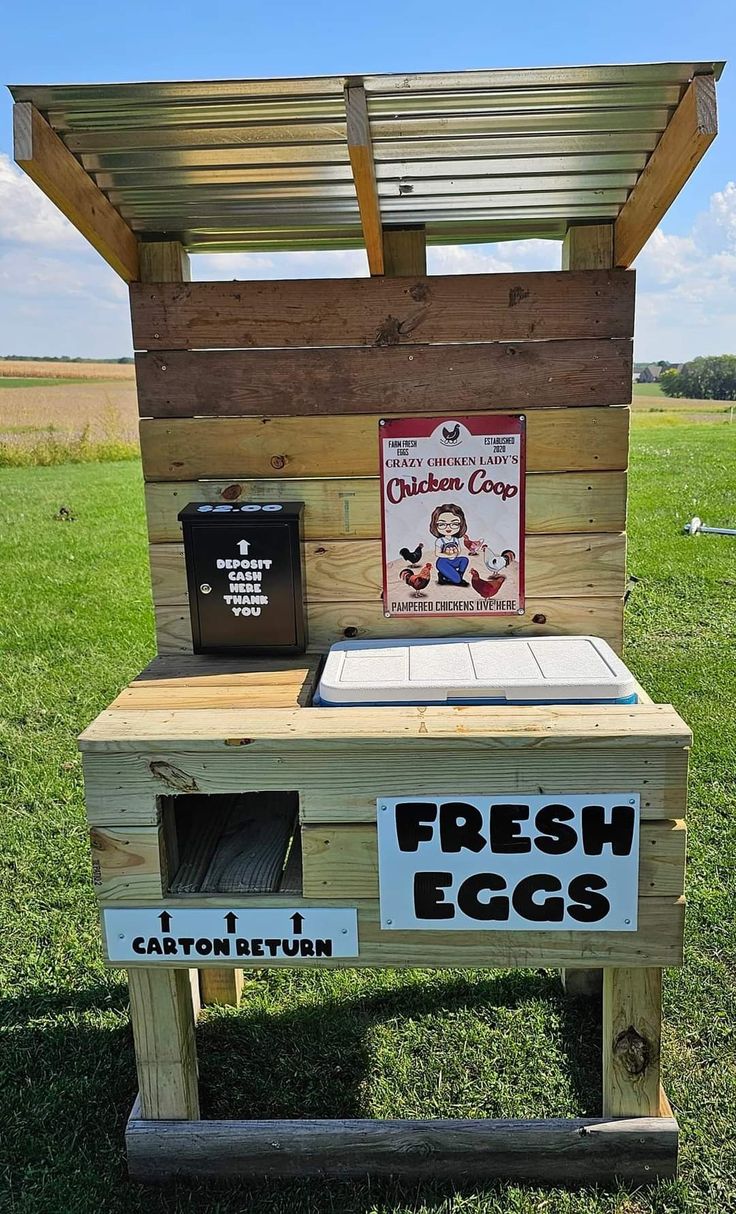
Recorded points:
(194, 934)
(509, 863)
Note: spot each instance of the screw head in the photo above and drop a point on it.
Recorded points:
(383, 808)
(206, 588)
(632, 800)
(627, 922)
(121, 935)
(387, 615)
(344, 931)
(164, 367)
(389, 922)
(520, 611)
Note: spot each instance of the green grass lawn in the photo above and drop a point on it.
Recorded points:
(648, 390)
(76, 625)
(52, 381)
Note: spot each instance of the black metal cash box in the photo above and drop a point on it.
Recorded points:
(244, 576)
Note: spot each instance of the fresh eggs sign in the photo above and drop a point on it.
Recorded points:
(509, 863)
(452, 493)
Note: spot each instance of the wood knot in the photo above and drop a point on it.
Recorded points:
(350, 632)
(173, 776)
(539, 618)
(231, 492)
(419, 292)
(278, 461)
(632, 1051)
(388, 332)
(516, 294)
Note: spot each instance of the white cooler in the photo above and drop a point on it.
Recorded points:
(475, 670)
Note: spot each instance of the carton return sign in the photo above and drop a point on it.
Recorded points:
(509, 863)
(230, 935)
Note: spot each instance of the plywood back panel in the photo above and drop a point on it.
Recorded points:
(266, 390)
(212, 448)
(393, 379)
(382, 311)
(350, 507)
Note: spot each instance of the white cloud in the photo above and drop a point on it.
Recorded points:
(27, 216)
(340, 263)
(686, 287)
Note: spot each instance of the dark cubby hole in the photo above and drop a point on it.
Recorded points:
(239, 843)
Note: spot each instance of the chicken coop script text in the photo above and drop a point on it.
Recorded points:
(509, 863)
(452, 497)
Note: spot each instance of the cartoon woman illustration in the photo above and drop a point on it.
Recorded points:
(448, 525)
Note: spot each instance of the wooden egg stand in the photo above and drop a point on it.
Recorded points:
(192, 727)
(273, 390)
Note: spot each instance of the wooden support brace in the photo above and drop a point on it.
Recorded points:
(162, 1016)
(632, 1030)
(47, 160)
(685, 140)
(360, 150)
(640, 1149)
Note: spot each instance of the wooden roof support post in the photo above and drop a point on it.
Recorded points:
(586, 247)
(168, 261)
(687, 137)
(360, 149)
(46, 159)
(405, 251)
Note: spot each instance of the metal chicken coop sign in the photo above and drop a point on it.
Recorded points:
(452, 499)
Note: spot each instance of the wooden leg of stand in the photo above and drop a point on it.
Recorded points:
(582, 984)
(221, 986)
(162, 1016)
(632, 1028)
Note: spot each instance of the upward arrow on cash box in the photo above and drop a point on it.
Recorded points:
(244, 546)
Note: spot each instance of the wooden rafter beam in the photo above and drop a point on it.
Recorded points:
(46, 159)
(687, 137)
(360, 149)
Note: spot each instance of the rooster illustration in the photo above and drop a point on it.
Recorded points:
(486, 588)
(451, 435)
(496, 561)
(412, 558)
(417, 581)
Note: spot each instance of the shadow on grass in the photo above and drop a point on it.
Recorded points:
(314, 1060)
(67, 1083)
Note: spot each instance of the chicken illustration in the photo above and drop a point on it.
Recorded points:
(474, 546)
(413, 558)
(486, 589)
(451, 435)
(417, 581)
(495, 561)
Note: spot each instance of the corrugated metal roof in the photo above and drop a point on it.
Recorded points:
(263, 164)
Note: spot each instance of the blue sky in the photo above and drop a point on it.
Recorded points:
(56, 296)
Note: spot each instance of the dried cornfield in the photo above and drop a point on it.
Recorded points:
(29, 369)
(55, 423)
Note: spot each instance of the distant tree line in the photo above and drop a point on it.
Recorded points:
(703, 379)
(58, 358)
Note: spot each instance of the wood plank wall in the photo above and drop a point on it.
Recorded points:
(258, 390)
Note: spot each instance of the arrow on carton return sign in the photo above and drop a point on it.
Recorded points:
(298, 921)
(165, 919)
(230, 920)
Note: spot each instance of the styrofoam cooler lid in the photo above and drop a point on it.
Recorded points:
(470, 669)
